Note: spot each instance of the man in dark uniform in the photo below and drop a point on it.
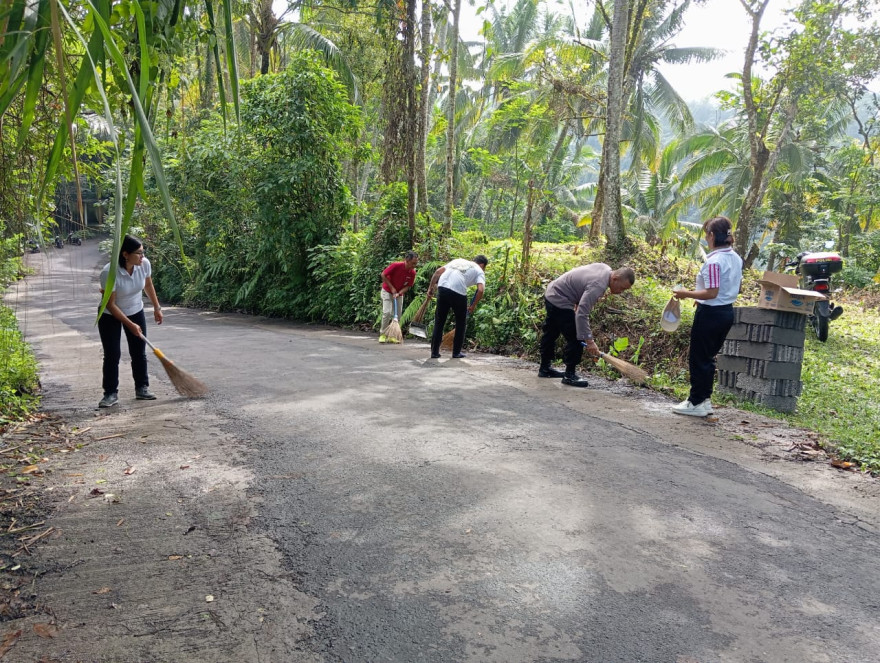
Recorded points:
(569, 300)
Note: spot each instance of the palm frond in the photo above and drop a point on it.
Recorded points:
(303, 37)
(691, 55)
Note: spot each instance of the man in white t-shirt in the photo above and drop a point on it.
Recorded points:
(451, 283)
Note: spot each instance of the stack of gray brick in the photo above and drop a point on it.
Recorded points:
(761, 359)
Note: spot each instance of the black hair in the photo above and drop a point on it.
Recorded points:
(719, 226)
(481, 260)
(129, 245)
(409, 255)
(626, 273)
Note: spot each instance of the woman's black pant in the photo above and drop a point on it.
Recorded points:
(109, 328)
(449, 299)
(560, 321)
(711, 324)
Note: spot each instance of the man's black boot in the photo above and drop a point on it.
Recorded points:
(548, 372)
(572, 379)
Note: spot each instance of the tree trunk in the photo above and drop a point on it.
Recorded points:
(439, 42)
(596, 223)
(612, 215)
(412, 118)
(527, 232)
(450, 119)
(266, 34)
(475, 199)
(758, 153)
(516, 190)
(253, 53)
(207, 98)
(424, 110)
(487, 221)
(355, 220)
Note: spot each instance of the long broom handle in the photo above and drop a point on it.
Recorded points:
(155, 350)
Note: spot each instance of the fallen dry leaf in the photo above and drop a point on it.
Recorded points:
(8, 640)
(209, 598)
(129, 470)
(30, 469)
(173, 557)
(96, 492)
(184, 467)
(45, 630)
(103, 590)
(102, 457)
(121, 520)
(842, 464)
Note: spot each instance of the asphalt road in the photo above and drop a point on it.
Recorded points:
(464, 510)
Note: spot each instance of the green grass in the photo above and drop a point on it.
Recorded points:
(841, 398)
(19, 380)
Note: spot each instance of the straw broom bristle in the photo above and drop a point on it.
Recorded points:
(420, 314)
(394, 333)
(185, 384)
(626, 369)
(448, 340)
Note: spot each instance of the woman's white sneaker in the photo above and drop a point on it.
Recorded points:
(704, 409)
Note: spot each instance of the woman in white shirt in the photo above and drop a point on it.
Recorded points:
(718, 285)
(125, 312)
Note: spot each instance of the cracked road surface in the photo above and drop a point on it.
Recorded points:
(341, 500)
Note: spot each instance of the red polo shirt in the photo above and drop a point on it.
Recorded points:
(399, 276)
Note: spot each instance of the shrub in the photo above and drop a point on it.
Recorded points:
(19, 382)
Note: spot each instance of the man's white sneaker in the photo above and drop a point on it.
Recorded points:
(704, 409)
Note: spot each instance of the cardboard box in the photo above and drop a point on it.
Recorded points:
(780, 292)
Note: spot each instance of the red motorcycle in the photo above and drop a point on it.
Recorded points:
(815, 270)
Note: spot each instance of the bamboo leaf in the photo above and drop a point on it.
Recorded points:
(77, 94)
(221, 85)
(142, 124)
(114, 139)
(35, 77)
(144, 70)
(231, 59)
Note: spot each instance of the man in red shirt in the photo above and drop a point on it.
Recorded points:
(397, 278)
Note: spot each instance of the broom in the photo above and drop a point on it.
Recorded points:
(449, 337)
(417, 327)
(184, 383)
(626, 369)
(393, 333)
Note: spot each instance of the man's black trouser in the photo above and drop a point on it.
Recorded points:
(560, 321)
(711, 324)
(109, 328)
(449, 299)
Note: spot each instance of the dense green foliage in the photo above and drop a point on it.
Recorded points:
(19, 382)
(257, 200)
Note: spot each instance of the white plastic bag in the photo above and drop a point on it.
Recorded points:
(671, 316)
